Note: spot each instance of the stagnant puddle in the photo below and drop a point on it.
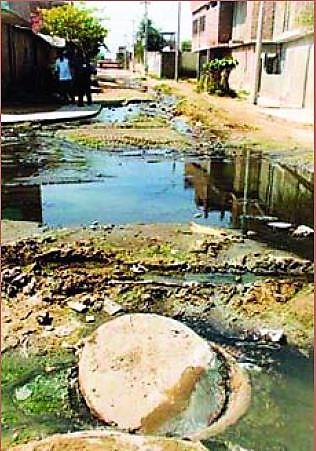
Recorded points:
(62, 184)
(282, 410)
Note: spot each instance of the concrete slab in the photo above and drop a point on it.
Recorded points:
(98, 440)
(65, 113)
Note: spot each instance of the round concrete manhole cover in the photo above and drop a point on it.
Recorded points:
(152, 374)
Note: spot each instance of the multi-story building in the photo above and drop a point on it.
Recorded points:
(229, 28)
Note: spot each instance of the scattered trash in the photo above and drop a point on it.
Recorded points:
(279, 225)
(139, 269)
(303, 231)
(111, 307)
(44, 319)
(90, 319)
(250, 366)
(22, 393)
(77, 306)
(274, 335)
(64, 331)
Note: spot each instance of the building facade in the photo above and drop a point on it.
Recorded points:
(224, 28)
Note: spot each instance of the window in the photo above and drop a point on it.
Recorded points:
(195, 26)
(274, 62)
(202, 23)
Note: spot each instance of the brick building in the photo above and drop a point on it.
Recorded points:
(229, 28)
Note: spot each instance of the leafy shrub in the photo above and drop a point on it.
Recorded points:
(215, 76)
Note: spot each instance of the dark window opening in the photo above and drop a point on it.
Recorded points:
(202, 23)
(274, 62)
(195, 26)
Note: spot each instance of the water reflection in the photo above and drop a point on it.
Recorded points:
(212, 184)
(132, 189)
(264, 189)
(22, 203)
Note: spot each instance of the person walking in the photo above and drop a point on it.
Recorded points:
(83, 71)
(64, 75)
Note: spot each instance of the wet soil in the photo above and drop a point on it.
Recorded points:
(244, 125)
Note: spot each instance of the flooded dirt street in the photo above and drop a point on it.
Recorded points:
(201, 233)
(62, 184)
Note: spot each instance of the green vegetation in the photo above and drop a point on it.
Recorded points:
(242, 94)
(200, 111)
(165, 252)
(186, 46)
(163, 88)
(34, 395)
(115, 140)
(143, 121)
(74, 24)
(47, 394)
(215, 77)
(155, 41)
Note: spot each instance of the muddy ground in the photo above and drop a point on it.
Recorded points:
(142, 269)
(241, 123)
(59, 286)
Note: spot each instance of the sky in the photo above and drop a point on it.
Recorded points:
(117, 16)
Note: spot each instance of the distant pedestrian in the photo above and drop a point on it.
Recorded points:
(83, 71)
(64, 75)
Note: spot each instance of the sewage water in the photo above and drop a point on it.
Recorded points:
(62, 184)
(281, 414)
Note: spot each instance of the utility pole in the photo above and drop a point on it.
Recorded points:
(176, 68)
(133, 45)
(125, 50)
(146, 37)
(254, 97)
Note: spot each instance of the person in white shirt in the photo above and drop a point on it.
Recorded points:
(64, 74)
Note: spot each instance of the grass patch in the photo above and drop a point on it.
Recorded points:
(34, 395)
(201, 111)
(116, 138)
(163, 88)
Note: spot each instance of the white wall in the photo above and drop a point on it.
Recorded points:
(154, 63)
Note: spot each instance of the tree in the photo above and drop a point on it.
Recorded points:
(186, 46)
(155, 41)
(139, 51)
(75, 24)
